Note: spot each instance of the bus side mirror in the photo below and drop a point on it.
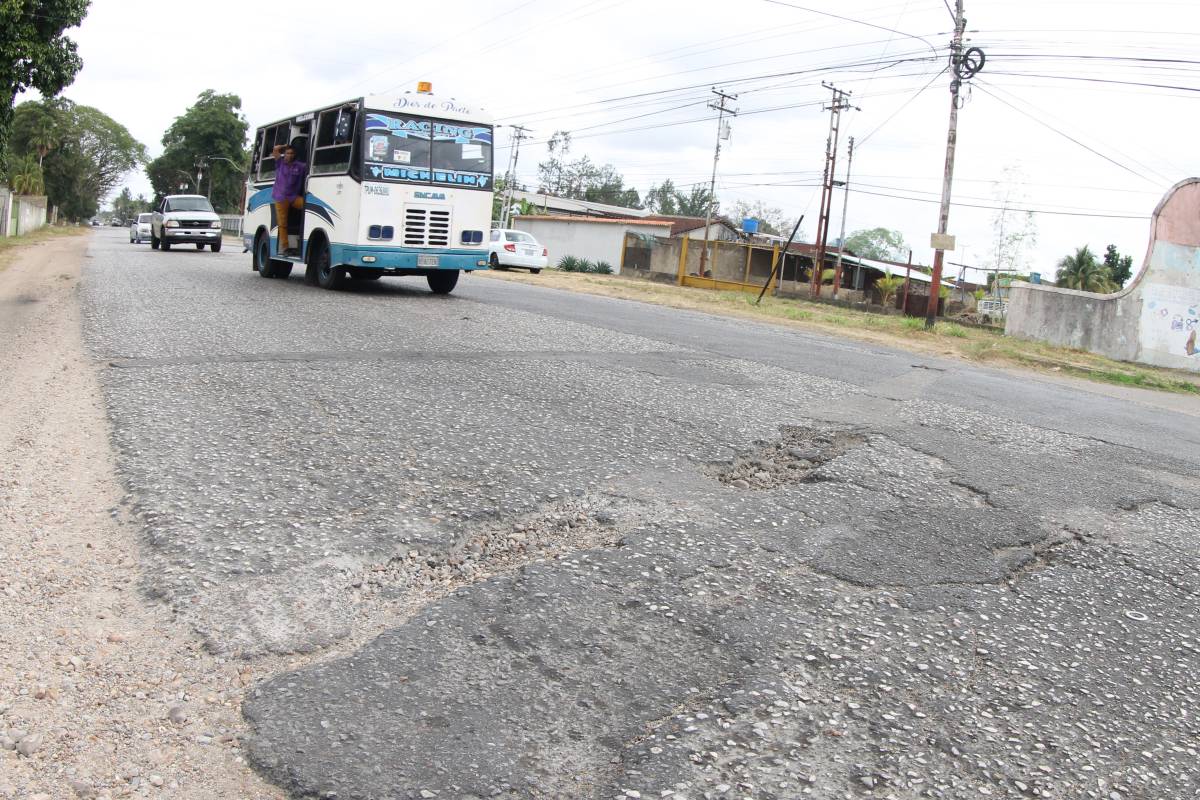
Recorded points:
(342, 126)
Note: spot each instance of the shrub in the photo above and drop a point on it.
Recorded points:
(952, 330)
(913, 323)
(569, 264)
(603, 268)
(586, 266)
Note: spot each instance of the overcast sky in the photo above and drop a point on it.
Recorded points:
(1094, 106)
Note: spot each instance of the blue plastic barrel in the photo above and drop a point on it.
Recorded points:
(750, 226)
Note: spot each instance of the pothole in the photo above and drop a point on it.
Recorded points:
(794, 458)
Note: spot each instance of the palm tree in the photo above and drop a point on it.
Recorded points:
(26, 177)
(888, 285)
(1083, 272)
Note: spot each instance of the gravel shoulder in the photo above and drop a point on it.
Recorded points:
(102, 693)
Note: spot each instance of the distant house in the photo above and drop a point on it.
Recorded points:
(549, 205)
(720, 229)
(591, 237)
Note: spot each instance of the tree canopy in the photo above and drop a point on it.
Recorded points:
(1082, 271)
(211, 130)
(34, 54)
(582, 179)
(880, 244)
(90, 155)
(1120, 268)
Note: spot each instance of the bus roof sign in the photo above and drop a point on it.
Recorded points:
(424, 87)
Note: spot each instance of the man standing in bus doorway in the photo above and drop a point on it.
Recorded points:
(288, 192)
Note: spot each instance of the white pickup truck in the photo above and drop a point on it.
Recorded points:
(185, 218)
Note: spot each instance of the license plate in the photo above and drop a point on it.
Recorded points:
(427, 261)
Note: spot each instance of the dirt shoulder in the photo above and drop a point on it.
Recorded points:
(102, 694)
(971, 344)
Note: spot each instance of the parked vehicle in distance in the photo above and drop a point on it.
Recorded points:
(117, 223)
(185, 218)
(139, 229)
(510, 248)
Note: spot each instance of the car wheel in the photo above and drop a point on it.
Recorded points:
(494, 262)
(216, 246)
(328, 276)
(535, 271)
(443, 281)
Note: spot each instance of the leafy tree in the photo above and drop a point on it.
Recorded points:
(211, 130)
(37, 127)
(92, 154)
(880, 244)
(663, 199)
(770, 219)
(1120, 268)
(582, 179)
(35, 54)
(1082, 271)
(25, 176)
(125, 206)
(695, 203)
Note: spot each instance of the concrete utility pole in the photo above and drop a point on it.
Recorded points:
(963, 67)
(837, 271)
(511, 176)
(840, 103)
(717, 105)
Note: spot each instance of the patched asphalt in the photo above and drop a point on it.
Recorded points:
(647, 552)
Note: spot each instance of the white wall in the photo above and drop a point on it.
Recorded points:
(595, 241)
(716, 232)
(31, 213)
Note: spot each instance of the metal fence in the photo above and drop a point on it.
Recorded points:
(994, 308)
(231, 223)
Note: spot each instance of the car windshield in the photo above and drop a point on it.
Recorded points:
(145, 217)
(189, 204)
(517, 236)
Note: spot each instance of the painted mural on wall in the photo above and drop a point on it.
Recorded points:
(1170, 320)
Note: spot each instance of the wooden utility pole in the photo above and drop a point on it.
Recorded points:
(840, 103)
(510, 177)
(717, 105)
(963, 67)
(837, 270)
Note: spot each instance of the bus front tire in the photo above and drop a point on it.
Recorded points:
(443, 281)
(328, 276)
(262, 257)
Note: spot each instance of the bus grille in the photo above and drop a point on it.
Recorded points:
(427, 227)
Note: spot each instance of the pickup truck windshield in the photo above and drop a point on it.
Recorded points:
(188, 204)
(415, 150)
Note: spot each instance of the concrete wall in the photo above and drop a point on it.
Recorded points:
(30, 213)
(596, 241)
(1155, 320)
(5, 211)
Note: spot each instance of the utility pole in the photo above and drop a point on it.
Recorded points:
(837, 271)
(511, 176)
(839, 104)
(963, 67)
(717, 105)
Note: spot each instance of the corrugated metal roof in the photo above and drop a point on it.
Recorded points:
(602, 220)
(553, 203)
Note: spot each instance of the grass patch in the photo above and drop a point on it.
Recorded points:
(980, 345)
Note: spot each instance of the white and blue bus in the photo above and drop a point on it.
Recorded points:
(396, 185)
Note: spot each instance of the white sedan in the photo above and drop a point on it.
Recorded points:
(517, 249)
(139, 229)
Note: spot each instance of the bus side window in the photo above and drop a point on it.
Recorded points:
(335, 129)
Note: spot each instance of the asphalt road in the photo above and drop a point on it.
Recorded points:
(614, 550)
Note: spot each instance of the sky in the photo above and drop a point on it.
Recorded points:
(1084, 112)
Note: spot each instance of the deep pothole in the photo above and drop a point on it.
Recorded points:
(794, 458)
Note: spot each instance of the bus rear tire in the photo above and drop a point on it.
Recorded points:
(443, 281)
(328, 276)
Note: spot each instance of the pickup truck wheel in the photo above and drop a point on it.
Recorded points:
(199, 245)
(153, 241)
(163, 244)
(216, 246)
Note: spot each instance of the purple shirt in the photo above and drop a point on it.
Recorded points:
(289, 179)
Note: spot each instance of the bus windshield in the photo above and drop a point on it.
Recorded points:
(407, 149)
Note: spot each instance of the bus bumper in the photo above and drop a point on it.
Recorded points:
(395, 258)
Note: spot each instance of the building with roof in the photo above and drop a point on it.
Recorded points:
(592, 237)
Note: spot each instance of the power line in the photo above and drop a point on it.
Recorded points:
(853, 20)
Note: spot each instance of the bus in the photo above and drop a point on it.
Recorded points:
(396, 185)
